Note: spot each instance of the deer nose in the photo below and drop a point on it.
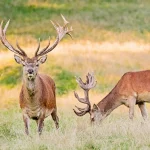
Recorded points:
(30, 71)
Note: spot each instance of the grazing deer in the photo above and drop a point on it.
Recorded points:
(133, 88)
(37, 96)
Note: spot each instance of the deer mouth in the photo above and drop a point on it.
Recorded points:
(31, 76)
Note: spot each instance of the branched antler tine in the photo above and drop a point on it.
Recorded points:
(82, 100)
(65, 21)
(81, 109)
(42, 51)
(58, 24)
(68, 32)
(81, 113)
(79, 80)
(54, 25)
(38, 48)
(17, 44)
(90, 77)
(76, 95)
(93, 82)
(87, 79)
(70, 35)
(5, 42)
(90, 81)
(61, 32)
(81, 83)
(6, 26)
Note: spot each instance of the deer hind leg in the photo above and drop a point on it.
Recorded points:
(143, 110)
(131, 102)
(55, 118)
(26, 123)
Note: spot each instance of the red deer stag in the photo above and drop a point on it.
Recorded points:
(37, 96)
(133, 88)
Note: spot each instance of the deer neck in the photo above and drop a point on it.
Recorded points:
(109, 103)
(31, 85)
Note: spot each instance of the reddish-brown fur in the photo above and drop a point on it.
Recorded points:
(133, 88)
(46, 90)
(128, 91)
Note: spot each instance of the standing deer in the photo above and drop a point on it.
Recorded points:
(133, 88)
(37, 96)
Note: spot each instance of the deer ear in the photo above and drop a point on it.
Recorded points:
(42, 59)
(95, 107)
(18, 59)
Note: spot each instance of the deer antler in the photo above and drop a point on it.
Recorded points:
(61, 32)
(5, 42)
(89, 84)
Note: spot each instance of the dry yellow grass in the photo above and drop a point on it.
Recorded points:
(116, 132)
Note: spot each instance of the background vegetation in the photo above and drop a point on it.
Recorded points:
(111, 37)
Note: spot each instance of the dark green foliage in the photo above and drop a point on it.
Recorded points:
(65, 81)
(10, 76)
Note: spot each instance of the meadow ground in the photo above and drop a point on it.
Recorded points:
(111, 37)
(116, 131)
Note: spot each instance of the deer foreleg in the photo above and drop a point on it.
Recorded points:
(26, 122)
(143, 110)
(40, 123)
(132, 102)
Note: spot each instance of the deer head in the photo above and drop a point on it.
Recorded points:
(31, 65)
(95, 113)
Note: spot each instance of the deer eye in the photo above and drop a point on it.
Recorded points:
(37, 65)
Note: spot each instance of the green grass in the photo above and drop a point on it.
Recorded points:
(94, 20)
(74, 133)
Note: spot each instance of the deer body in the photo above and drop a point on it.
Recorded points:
(37, 96)
(133, 88)
(38, 100)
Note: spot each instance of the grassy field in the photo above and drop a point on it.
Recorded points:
(111, 37)
(116, 132)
